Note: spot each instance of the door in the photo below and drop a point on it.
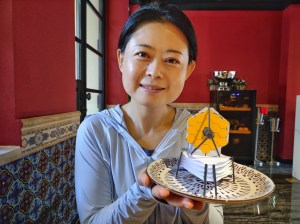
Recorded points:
(89, 45)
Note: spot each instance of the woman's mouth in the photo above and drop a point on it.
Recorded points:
(151, 87)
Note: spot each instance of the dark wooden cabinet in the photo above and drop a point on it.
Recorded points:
(239, 108)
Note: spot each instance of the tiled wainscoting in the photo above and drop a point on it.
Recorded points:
(39, 187)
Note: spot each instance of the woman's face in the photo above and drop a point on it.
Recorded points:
(154, 64)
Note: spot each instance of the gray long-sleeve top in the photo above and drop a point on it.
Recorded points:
(107, 163)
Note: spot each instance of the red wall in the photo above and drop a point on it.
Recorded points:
(9, 126)
(117, 13)
(289, 80)
(44, 57)
(262, 46)
(37, 59)
(37, 62)
(245, 41)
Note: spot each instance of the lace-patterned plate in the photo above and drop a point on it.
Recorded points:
(250, 184)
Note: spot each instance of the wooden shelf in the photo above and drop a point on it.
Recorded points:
(227, 108)
(239, 132)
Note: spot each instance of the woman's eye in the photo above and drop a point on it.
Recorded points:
(142, 54)
(172, 61)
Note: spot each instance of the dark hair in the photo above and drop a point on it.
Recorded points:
(160, 13)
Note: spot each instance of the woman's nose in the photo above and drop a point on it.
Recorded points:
(154, 69)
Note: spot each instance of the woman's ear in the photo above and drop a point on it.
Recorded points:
(120, 57)
(190, 69)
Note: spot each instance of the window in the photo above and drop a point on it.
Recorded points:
(89, 45)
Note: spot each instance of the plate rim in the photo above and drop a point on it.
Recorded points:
(211, 200)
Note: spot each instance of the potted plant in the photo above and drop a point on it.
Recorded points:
(211, 84)
(240, 84)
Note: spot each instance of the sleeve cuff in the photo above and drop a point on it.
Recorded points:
(146, 192)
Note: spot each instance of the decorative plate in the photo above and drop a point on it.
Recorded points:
(249, 185)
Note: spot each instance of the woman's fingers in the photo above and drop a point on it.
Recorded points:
(198, 205)
(143, 178)
(162, 193)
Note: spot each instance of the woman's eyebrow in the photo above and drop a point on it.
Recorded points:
(174, 51)
(148, 46)
(145, 45)
(152, 48)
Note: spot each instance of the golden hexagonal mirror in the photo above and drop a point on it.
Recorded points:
(207, 130)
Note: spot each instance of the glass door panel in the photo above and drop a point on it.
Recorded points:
(77, 18)
(98, 5)
(93, 105)
(93, 29)
(93, 70)
(89, 42)
(77, 61)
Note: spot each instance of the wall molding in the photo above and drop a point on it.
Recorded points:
(45, 131)
(198, 106)
(190, 106)
(229, 4)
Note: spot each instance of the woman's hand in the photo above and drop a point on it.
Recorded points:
(162, 193)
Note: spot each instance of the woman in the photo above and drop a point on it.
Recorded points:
(156, 54)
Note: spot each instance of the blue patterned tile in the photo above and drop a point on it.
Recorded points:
(40, 187)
